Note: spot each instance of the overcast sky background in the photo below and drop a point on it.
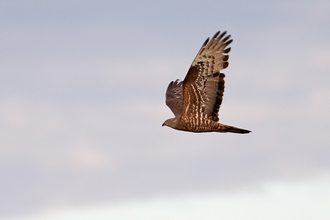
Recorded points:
(82, 100)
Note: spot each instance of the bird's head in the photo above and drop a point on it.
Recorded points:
(172, 122)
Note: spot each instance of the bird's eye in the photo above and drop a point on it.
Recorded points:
(169, 122)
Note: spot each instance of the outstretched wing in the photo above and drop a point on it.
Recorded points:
(174, 97)
(204, 85)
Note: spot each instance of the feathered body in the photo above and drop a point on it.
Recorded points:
(196, 100)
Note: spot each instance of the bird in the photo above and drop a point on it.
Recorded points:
(195, 101)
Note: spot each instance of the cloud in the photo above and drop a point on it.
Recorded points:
(302, 200)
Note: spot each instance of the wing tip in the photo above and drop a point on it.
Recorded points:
(227, 50)
(206, 41)
(216, 34)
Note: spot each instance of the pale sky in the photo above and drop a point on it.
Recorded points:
(82, 100)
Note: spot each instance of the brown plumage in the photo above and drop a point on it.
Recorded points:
(196, 100)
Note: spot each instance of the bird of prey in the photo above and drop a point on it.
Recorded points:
(196, 100)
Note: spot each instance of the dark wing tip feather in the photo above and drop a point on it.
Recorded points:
(174, 84)
(229, 42)
(225, 58)
(206, 41)
(227, 50)
(176, 81)
(222, 75)
(223, 34)
(225, 65)
(218, 102)
(216, 34)
(226, 38)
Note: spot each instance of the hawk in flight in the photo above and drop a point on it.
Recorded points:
(196, 100)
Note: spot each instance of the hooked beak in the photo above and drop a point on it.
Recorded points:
(163, 124)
